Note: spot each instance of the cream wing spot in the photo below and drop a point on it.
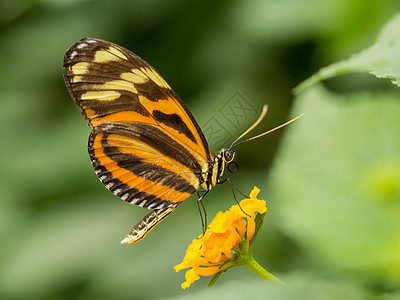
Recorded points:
(117, 53)
(103, 56)
(76, 79)
(116, 85)
(139, 73)
(101, 95)
(81, 46)
(111, 54)
(161, 80)
(133, 201)
(155, 77)
(80, 68)
(110, 185)
(141, 204)
(151, 206)
(135, 77)
(73, 54)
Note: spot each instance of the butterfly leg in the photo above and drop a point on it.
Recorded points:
(202, 210)
(147, 223)
(233, 187)
(202, 196)
(222, 181)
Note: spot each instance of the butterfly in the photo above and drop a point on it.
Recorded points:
(145, 145)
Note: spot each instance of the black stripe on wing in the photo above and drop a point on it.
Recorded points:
(155, 138)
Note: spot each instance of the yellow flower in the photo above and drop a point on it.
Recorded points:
(223, 242)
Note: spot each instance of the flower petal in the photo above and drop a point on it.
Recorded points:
(190, 276)
(213, 252)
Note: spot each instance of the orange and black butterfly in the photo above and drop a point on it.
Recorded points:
(145, 146)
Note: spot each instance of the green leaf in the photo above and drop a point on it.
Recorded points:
(336, 183)
(259, 221)
(382, 59)
(215, 278)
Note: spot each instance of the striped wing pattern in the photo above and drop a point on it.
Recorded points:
(145, 145)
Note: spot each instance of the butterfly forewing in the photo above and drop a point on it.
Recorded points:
(145, 145)
(111, 84)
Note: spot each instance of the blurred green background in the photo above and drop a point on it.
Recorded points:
(331, 180)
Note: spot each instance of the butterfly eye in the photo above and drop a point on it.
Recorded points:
(229, 155)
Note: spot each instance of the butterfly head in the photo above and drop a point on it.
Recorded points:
(228, 155)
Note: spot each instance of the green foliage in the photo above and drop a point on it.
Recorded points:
(337, 182)
(381, 59)
(337, 178)
(331, 230)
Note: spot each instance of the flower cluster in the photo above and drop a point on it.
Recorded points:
(228, 237)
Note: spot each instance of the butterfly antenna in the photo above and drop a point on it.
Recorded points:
(263, 113)
(234, 144)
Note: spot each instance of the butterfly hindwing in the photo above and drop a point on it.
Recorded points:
(145, 145)
(142, 165)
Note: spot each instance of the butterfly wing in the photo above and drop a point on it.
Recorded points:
(145, 146)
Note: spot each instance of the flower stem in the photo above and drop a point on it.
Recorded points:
(259, 270)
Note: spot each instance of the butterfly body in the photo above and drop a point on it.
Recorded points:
(145, 145)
